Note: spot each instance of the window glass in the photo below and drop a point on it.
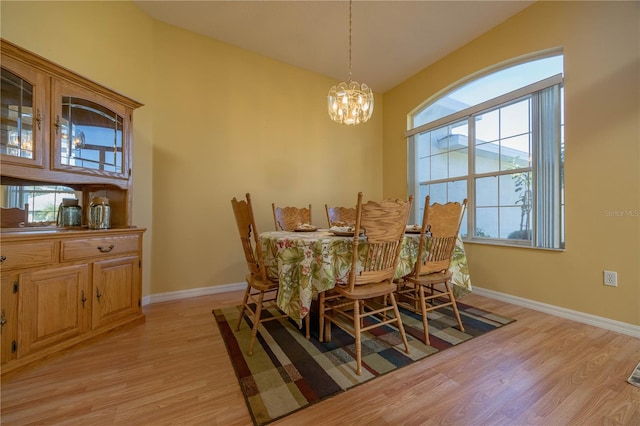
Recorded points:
(509, 158)
(488, 87)
(43, 200)
(16, 106)
(91, 136)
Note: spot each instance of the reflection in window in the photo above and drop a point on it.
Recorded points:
(16, 127)
(43, 200)
(91, 136)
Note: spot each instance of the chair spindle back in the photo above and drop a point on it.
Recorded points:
(12, 217)
(289, 218)
(383, 224)
(243, 212)
(435, 250)
(340, 216)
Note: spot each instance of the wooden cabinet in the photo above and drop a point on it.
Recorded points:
(52, 307)
(23, 106)
(115, 290)
(96, 246)
(89, 132)
(75, 285)
(62, 286)
(61, 128)
(9, 317)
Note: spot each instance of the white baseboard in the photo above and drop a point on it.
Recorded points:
(607, 324)
(193, 292)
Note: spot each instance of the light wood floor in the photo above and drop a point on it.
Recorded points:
(174, 370)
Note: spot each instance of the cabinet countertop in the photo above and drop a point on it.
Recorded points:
(8, 234)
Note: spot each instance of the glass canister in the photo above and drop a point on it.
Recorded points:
(99, 213)
(69, 213)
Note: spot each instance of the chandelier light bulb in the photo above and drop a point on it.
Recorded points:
(350, 103)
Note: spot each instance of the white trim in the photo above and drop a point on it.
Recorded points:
(193, 292)
(601, 322)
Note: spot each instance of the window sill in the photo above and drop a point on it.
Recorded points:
(513, 244)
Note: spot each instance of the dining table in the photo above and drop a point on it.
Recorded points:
(307, 263)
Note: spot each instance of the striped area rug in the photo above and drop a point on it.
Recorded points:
(288, 372)
(634, 378)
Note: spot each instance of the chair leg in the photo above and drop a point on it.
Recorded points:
(384, 302)
(327, 331)
(307, 321)
(356, 324)
(244, 305)
(454, 304)
(396, 312)
(256, 322)
(423, 307)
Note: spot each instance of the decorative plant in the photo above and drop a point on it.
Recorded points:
(522, 183)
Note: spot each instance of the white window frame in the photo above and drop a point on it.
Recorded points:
(547, 226)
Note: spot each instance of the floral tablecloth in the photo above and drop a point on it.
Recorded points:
(307, 263)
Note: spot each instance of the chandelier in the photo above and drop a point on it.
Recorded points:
(350, 103)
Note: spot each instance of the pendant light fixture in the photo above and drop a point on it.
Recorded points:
(350, 103)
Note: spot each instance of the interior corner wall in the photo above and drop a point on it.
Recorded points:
(601, 45)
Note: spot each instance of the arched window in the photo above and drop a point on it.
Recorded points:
(496, 140)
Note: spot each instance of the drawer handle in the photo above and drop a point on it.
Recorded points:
(106, 249)
(2, 259)
(3, 320)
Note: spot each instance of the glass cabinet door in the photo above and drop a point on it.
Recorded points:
(90, 133)
(23, 116)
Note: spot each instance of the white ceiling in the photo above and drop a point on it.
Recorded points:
(391, 39)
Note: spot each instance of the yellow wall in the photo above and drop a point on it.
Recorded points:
(227, 121)
(601, 44)
(218, 122)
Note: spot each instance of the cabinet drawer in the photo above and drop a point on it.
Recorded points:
(98, 247)
(21, 255)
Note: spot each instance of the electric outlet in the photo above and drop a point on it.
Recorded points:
(611, 278)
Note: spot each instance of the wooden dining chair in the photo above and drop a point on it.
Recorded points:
(351, 306)
(261, 291)
(13, 217)
(428, 287)
(289, 218)
(340, 216)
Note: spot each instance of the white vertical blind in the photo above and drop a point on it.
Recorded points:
(547, 171)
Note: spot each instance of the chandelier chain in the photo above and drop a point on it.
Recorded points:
(350, 1)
